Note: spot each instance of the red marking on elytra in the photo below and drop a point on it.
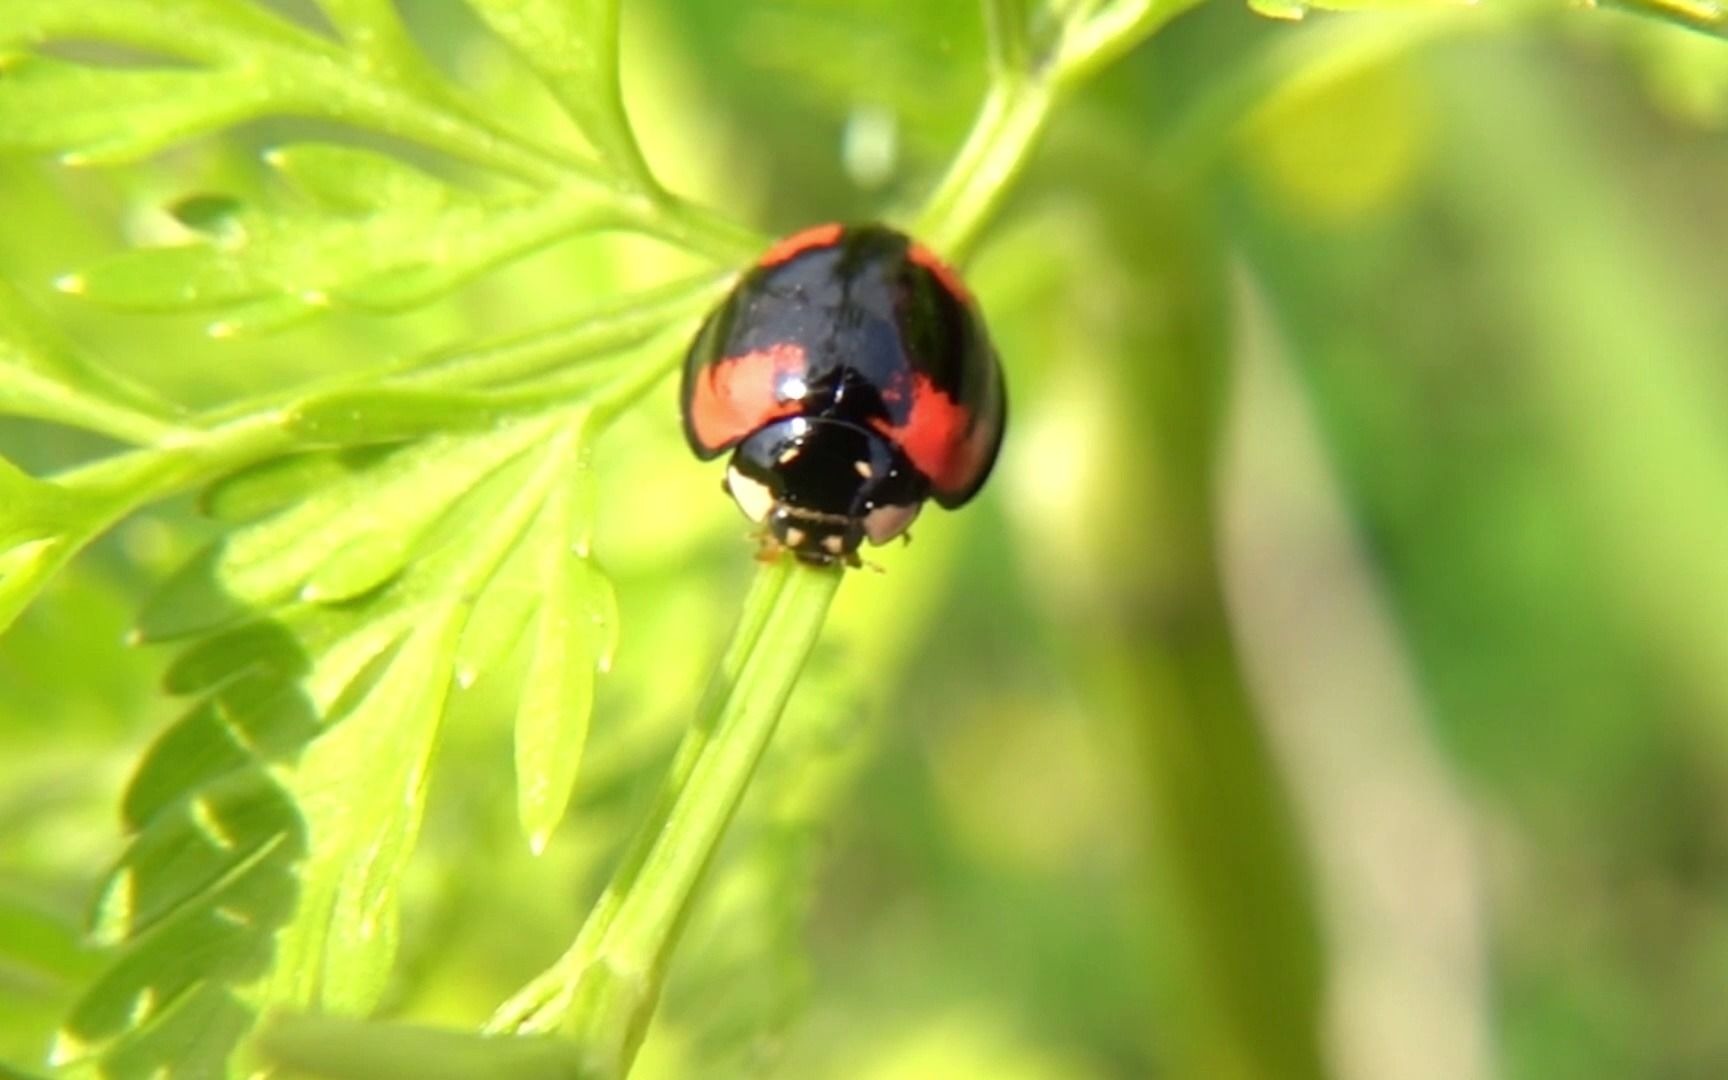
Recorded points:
(799, 242)
(738, 394)
(935, 437)
(926, 258)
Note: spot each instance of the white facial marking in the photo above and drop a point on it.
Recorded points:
(794, 537)
(863, 469)
(792, 388)
(753, 498)
(788, 454)
(886, 522)
(832, 543)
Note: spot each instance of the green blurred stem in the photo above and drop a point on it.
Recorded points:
(604, 989)
(994, 153)
(1106, 36)
(1026, 85)
(1705, 16)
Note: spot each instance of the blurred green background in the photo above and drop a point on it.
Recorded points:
(1333, 679)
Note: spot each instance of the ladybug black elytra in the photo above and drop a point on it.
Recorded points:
(851, 375)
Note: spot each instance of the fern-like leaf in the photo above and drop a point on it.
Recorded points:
(321, 672)
(393, 532)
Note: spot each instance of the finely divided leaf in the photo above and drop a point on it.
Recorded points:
(44, 377)
(196, 898)
(25, 568)
(103, 116)
(361, 789)
(558, 692)
(41, 527)
(303, 765)
(269, 828)
(279, 482)
(606, 329)
(348, 179)
(203, 30)
(573, 46)
(386, 258)
(343, 1049)
(269, 64)
(31, 509)
(381, 414)
(269, 562)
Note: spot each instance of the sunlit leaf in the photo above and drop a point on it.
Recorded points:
(272, 485)
(573, 45)
(270, 561)
(333, 631)
(345, 178)
(30, 509)
(43, 376)
(342, 1049)
(267, 62)
(361, 789)
(100, 116)
(558, 690)
(607, 328)
(390, 414)
(387, 258)
(374, 29)
(205, 30)
(41, 527)
(24, 569)
(501, 615)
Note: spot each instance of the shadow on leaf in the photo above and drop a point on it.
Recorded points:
(209, 874)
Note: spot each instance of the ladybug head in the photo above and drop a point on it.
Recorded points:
(821, 487)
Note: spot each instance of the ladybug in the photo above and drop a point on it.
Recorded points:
(850, 375)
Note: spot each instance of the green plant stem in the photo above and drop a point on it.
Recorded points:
(1020, 102)
(1705, 16)
(995, 150)
(139, 477)
(1105, 37)
(604, 989)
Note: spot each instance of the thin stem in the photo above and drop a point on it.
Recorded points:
(1705, 16)
(604, 989)
(1105, 37)
(1019, 104)
(995, 151)
(1005, 31)
(30, 394)
(139, 477)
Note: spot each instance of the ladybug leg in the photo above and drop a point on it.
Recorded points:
(768, 549)
(906, 538)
